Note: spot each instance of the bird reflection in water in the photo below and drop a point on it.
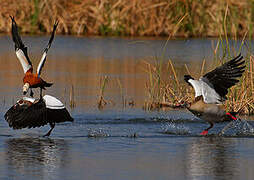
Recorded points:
(35, 156)
(211, 157)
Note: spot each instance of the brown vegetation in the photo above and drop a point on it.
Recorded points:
(164, 89)
(125, 17)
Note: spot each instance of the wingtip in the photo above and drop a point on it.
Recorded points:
(13, 20)
(56, 24)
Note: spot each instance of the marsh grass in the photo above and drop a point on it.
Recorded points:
(72, 97)
(121, 100)
(170, 91)
(163, 93)
(103, 83)
(135, 17)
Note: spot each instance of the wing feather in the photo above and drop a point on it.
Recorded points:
(225, 76)
(23, 116)
(44, 55)
(197, 87)
(35, 115)
(20, 48)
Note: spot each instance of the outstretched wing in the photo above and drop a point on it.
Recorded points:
(24, 116)
(44, 55)
(203, 89)
(20, 48)
(225, 76)
(36, 114)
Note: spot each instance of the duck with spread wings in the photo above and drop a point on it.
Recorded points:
(211, 90)
(31, 113)
(30, 80)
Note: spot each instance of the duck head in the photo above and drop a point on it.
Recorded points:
(25, 88)
(231, 116)
(187, 78)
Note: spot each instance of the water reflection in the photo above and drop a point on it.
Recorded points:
(35, 157)
(211, 157)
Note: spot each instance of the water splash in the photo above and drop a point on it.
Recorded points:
(238, 128)
(175, 128)
(246, 129)
(95, 133)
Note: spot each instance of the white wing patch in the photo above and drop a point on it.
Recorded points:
(210, 96)
(32, 100)
(22, 59)
(53, 103)
(41, 64)
(197, 87)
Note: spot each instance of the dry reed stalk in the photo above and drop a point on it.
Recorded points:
(187, 69)
(72, 101)
(202, 68)
(135, 18)
(174, 72)
(251, 74)
(121, 92)
(102, 102)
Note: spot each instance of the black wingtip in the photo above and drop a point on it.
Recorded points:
(14, 24)
(12, 18)
(236, 59)
(56, 24)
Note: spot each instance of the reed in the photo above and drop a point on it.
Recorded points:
(123, 98)
(240, 97)
(102, 102)
(72, 99)
(135, 18)
(164, 88)
(175, 92)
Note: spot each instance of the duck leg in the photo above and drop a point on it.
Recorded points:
(52, 125)
(40, 93)
(205, 132)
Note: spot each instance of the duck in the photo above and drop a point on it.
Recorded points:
(211, 90)
(30, 80)
(29, 112)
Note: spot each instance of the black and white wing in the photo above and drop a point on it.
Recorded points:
(224, 77)
(27, 113)
(214, 85)
(196, 84)
(201, 88)
(20, 48)
(44, 55)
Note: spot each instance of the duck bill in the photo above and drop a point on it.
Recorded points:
(25, 88)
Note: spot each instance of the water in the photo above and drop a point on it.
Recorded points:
(116, 142)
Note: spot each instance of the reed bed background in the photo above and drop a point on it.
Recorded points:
(131, 18)
(166, 88)
(170, 91)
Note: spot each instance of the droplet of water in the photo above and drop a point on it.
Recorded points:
(175, 128)
(236, 128)
(97, 133)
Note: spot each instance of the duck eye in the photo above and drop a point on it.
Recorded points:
(21, 102)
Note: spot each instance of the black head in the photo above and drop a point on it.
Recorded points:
(231, 115)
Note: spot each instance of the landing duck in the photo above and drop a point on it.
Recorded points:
(211, 90)
(30, 113)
